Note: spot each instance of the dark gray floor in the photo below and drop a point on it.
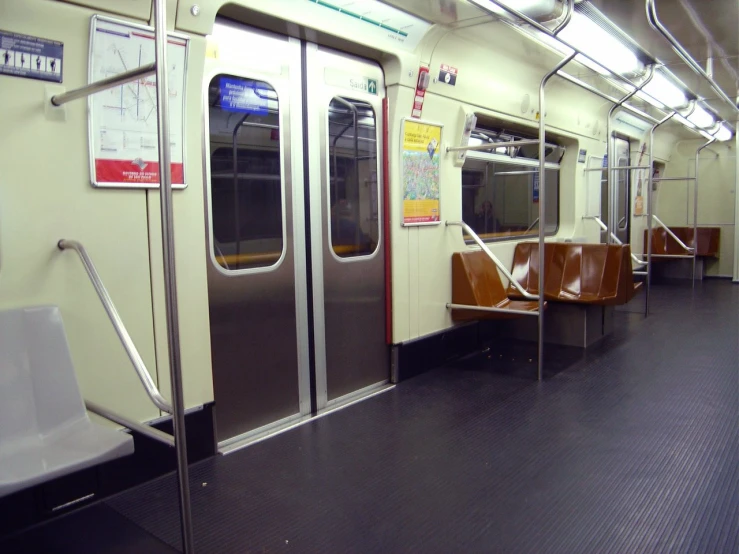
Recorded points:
(632, 447)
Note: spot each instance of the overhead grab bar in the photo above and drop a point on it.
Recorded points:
(657, 25)
(128, 345)
(503, 269)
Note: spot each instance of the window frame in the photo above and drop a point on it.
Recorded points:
(515, 161)
(239, 73)
(378, 162)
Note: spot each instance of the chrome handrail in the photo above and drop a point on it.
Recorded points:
(657, 25)
(673, 235)
(104, 84)
(534, 224)
(503, 269)
(133, 354)
(617, 240)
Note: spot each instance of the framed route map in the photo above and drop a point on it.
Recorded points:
(124, 148)
(420, 172)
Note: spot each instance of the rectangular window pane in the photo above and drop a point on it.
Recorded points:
(501, 201)
(353, 185)
(245, 173)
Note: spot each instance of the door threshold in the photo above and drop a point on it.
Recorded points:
(249, 438)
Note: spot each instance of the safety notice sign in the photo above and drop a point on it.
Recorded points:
(31, 57)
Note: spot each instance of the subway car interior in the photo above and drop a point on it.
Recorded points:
(369, 276)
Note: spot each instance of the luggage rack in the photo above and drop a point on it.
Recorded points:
(177, 409)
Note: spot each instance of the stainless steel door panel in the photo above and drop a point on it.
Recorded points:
(349, 292)
(259, 374)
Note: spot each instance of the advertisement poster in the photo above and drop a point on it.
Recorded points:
(420, 173)
(123, 120)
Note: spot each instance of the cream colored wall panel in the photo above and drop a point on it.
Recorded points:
(45, 195)
(399, 235)
(716, 194)
(190, 253)
(504, 72)
(415, 275)
(139, 9)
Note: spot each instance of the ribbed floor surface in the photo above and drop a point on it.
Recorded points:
(632, 449)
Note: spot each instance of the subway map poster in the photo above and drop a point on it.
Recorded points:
(420, 173)
(124, 146)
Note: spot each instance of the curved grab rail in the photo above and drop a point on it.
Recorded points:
(133, 354)
(504, 270)
(673, 235)
(657, 25)
(617, 240)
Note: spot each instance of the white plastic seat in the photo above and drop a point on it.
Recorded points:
(45, 431)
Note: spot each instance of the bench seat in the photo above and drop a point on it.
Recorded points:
(709, 241)
(598, 274)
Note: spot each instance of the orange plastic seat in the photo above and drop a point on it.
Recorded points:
(577, 273)
(476, 282)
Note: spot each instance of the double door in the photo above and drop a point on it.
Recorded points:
(296, 281)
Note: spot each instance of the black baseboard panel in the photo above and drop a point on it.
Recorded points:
(150, 460)
(418, 356)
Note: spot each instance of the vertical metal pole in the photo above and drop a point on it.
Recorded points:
(543, 204)
(612, 216)
(650, 184)
(695, 204)
(170, 280)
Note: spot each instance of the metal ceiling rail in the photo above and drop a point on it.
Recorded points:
(553, 33)
(656, 24)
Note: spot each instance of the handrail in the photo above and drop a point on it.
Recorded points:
(103, 84)
(618, 241)
(534, 224)
(146, 430)
(120, 329)
(491, 145)
(657, 25)
(673, 235)
(610, 148)
(467, 229)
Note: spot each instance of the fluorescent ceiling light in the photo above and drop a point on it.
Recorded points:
(684, 121)
(531, 8)
(663, 91)
(724, 133)
(701, 118)
(590, 39)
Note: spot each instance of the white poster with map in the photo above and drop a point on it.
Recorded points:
(124, 149)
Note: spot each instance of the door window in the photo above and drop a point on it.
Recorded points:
(353, 184)
(246, 196)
